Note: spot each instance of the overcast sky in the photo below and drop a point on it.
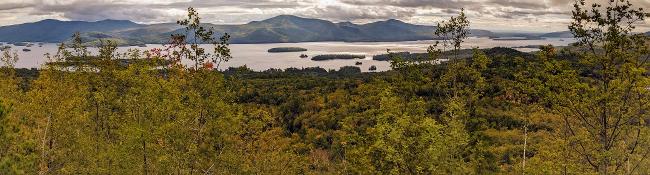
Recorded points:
(524, 15)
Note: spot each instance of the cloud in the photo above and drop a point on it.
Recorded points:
(12, 6)
(352, 13)
(243, 3)
(550, 15)
(103, 9)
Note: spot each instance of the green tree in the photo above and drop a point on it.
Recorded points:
(195, 35)
(453, 33)
(10, 97)
(399, 137)
(604, 108)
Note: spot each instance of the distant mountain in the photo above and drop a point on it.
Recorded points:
(566, 34)
(291, 29)
(58, 31)
(279, 29)
(562, 34)
(154, 33)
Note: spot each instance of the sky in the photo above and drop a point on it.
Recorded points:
(497, 15)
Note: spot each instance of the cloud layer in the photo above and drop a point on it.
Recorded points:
(526, 15)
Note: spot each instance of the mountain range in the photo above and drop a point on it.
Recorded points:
(57, 31)
(279, 29)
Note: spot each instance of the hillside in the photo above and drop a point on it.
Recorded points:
(290, 29)
(562, 34)
(58, 31)
(279, 29)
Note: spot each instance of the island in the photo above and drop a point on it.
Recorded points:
(337, 57)
(464, 53)
(286, 49)
(21, 44)
(528, 47)
(138, 45)
(516, 38)
(401, 55)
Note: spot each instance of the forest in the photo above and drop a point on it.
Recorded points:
(582, 109)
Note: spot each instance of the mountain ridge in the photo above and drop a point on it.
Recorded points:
(279, 29)
(51, 30)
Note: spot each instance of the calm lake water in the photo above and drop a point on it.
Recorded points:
(256, 57)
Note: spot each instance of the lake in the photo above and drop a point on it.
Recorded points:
(256, 57)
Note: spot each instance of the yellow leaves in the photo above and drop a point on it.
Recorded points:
(161, 142)
(480, 61)
(455, 108)
(8, 60)
(402, 139)
(112, 119)
(265, 153)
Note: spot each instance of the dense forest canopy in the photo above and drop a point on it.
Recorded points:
(577, 110)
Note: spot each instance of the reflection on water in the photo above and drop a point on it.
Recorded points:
(256, 57)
